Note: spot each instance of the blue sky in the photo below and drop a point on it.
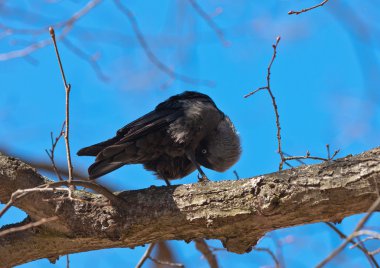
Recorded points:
(325, 79)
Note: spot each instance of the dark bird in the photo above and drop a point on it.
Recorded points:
(181, 134)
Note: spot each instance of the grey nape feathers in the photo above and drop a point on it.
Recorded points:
(180, 135)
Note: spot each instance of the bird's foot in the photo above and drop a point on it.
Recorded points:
(203, 178)
(167, 182)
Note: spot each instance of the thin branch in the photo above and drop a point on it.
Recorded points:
(28, 226)
(307, 9)
(67, 89)
(146, 255)
(21, 193)
(167, 263)
(210, 22)
(359, 244)
(67, 261)
(279, 248)
(52, 150)
(372, 234)
(283, 156)
(91, 185)
(328, 151)
(269, 90)
(361, 241)
(9, 204)
(151, 56)
(202, 246)
(276, 261)
(377, 251)
(349, 238)
(114, 199)
(66, 26)
(88, 58)
(307, 156)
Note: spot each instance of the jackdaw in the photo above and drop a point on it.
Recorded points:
(177, 137)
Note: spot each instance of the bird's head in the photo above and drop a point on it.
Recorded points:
(221, 149)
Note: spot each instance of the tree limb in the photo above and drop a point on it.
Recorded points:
(237, 212)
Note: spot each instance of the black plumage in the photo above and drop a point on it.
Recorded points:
(173, 140)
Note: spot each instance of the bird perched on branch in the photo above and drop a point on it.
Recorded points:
(181, 134)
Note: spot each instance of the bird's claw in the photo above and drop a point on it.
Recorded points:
(202, 178)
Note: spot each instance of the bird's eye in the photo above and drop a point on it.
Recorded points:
(204, 151)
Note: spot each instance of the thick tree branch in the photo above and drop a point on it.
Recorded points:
(237, 212)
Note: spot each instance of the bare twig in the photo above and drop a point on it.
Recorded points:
(283, 156)
(372, 234)
(277, 263)
(67, 261)
(91, 185)
(307, 9)
(88, 58)
(349, 238)
(50, 153)
(151, 56)
(210, 22)
(67, 89)
(359, 244)
(308, 156)
(328, 151)
(202, 246)
(28, 226)
(21, 193)
(167, 263)
(376, 251)
(298, 160)
(279, 248)
(335, 154)
(66, 27)
(269, 90)
(146, 255)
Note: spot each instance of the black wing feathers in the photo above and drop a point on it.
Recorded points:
(110, 152)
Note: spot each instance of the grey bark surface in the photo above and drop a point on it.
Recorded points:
(236, 212)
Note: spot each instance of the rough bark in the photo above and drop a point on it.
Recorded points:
(237, 212)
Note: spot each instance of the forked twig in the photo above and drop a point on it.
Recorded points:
(146, 255)
(359, 244)
(269, 90)
(283, 156)
(67, 89)
(50, 152)
(350, 237)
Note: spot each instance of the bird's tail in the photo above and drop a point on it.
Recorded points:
(95, 149)
(102, 167)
